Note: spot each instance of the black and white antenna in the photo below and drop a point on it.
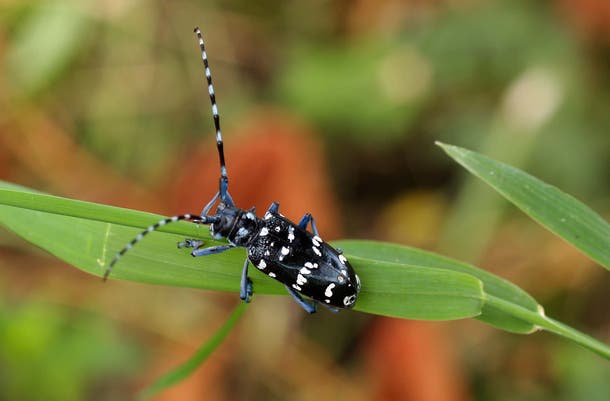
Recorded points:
(223, 192)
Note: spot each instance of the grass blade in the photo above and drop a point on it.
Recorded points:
(397, 281)
(559, 212)
(492, 285)
(184, 370)
(87, 235)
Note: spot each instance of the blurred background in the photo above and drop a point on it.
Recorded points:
(330, 107)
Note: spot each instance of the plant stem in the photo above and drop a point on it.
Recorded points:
(544, 322)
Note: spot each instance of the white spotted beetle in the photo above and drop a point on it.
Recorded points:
(285, 251)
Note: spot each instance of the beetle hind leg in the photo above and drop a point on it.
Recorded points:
(309, 307)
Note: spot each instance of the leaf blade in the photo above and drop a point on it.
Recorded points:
(492, 284)
(185, 369)
(560, 213)
(87, 236)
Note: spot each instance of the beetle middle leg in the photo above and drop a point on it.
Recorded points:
(308, 218)
(274, 208)
(245, 285)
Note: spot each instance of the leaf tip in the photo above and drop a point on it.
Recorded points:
(446, 147)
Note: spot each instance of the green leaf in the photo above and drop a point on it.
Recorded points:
(88, 235)
(559, 212)
(492, 285)
(396, 281)
(184, 370)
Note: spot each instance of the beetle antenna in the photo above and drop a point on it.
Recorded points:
(224, 180)
(154, 227)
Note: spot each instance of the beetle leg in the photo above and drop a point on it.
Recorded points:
(330, 308)
(309, 308)
(274, 208)
(211, 250)
(190, 243)
(245, 285)
(209, 205)
(308, 218)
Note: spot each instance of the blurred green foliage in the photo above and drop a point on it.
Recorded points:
(45, 42)
(49, 352)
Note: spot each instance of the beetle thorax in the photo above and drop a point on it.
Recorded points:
(238, 226)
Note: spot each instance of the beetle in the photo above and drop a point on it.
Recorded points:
(285, 251)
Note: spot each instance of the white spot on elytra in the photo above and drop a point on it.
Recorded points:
(296, 287)
(277, 229)
(262, 264)
(250, 216)
(340, 279)
(290, 237)
(305, 270)
(327, 301)
(316, 251)
(315, 241)
(329, 290)
(272, 274)
(285, 251)
(349, 300)
(264, 232)
(301, 279)
(267, 216)
(342, 259)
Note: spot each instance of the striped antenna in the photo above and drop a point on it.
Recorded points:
(154, 227)
(219, 144)
(224, 181)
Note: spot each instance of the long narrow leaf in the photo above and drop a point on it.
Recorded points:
(88, 235)
(492, 285)
(189, 366)
(397, 281)
(559, 212)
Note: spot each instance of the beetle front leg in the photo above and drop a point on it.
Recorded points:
(211, 250)
(190, 243)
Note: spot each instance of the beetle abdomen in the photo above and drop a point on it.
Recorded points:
(303, 262)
